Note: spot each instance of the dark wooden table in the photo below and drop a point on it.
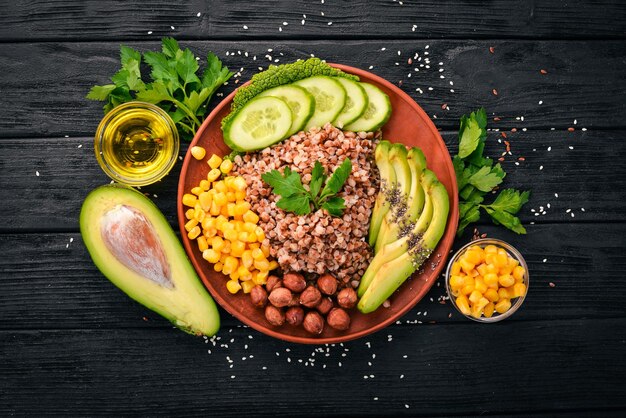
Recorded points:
(73, 344)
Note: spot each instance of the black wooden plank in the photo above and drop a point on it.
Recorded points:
(422, 370)
(52, 200)
(98, 20)
(47, 281)
(44, 84)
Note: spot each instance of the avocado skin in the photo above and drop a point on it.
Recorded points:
(186, 304)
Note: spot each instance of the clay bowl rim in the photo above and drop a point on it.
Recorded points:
(443, 247)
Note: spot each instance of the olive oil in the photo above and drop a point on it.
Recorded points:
(137, 143)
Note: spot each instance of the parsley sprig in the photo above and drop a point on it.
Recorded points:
(175, 86)
(295, 198)
(477, 175)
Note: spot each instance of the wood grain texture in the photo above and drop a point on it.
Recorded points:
(49, 282)
(51, 201)
(113, 20)
(44, 84)
(577, 364)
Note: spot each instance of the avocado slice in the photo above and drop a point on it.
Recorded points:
(414, 203)
(393, 273)
(411, 231)
(399, 197)
(387, 182)
(133, 245)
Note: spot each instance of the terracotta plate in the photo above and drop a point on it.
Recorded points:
(408, 124)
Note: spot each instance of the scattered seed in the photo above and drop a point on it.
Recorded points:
(552, 284)
(495, 92)
(543, 72)
(570, 129)
(492, 49)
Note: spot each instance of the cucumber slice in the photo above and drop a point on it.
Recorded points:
(356, 103)
(377, 113)
(263, 121)
(330, 98)
(300, 101)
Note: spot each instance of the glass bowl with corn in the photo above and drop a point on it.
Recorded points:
(487, 280)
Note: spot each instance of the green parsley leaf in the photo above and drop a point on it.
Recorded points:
(468, 213)
(338, 178)
(510, 200)
(100, 92)
(334, 205)
(298, 204)
(286, 184)
(472, 130)
(484, 180)
(507, 220)
(317, 179)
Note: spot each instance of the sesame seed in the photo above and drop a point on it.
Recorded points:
(245, 27)
(172, 27)
(37, 173)
(199, 14)
(330, 23)
(285, 23)
(149, 32)
(545, 259)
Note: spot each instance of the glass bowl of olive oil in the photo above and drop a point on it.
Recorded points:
(136, 143)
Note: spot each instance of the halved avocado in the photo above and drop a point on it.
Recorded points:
(133, 245)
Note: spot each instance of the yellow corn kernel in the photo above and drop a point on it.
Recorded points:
(262, 265)
(189, 213)
(491, 295)
(191, 224)
(214, 161)
(506, 280)
(193, 234)
(482, 269)
(215, 209)
(198, 152)
(217, 243)
(505, 270)
(213, 175)
(455, 269)
(202, 243)
(220, 222)
(250, 216)
(205, 199)
(243, 272)
(228, 181)
(230, 209)
(205, 184)
(238, 225)
(230, 265)
(519, 289)
(466, 265)
(456, 282)
(230, 196)
(503, 293)
(491, 249)
(260, 277)
(233, 286)
(475, 296)
(467, 289)
(246, 259)
(473, 273)
(220, 199)
(226, 248)
(518, 273)
(239, 184)
(224, 211)
(226, 166)
(501, 260)
(248, 227)
(210, 232)
(257, 254)
(503, 305)
(247, 286)
(273, 265)
(230, 235)
(240, 194)
(196, 190)
(260, 235)
(199, 214)
(490, 259)
(189, 200)
(473, 256)
(491, 268)
(488, 309)
(211, 255)
(218, 266)
(463, 304)
(265, 247)
(477, 308)
(234, 275)
(480, 285)
(237, 248)
(513, 263)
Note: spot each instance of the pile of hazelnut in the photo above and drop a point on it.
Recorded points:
(297, 302)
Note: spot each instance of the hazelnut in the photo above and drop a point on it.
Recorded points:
(294, 315)
(310, 297)
(338, 319)
(346, 298)
(273, 282)
(313, 323)
(258, 296)
(295, 300)
(280, 297)
(327, 284)
(274, 315)
(294, 282)
(325, 306)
